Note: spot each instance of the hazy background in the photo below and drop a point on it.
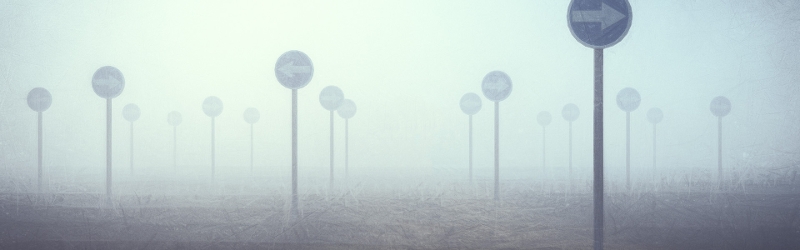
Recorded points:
(405, 64)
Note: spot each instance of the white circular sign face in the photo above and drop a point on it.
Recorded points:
(39, 99)
(720, 106)
(544, 118)
(470, 103)
(331, 98)
(496, 86)
(131, 112)
(570, 112)
(654, 115)
(628, 99)
(212, 106)
(347, 110)
(251, 115)
(108, 82)
(294, 69)
(174, 118)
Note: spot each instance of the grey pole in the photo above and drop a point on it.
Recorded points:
(295, 210)
(108, 151)
(719, 152)
(213, 149)
(346, 145)
(544, 166)
(40, 151)
(470, 149)
(251, 148)
(598, 149)
(628, 150)
(175, 148)
(131, 148)
(331, 140)
(497, 150)
(570, 152)
(654, 152)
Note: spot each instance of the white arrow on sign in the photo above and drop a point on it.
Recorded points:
(108, 81)
(606, 16)
(289, 69)
(498, 86)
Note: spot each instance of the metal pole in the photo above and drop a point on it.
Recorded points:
(544, 166)
(295, 212)
(570, 151)
(251, 148)
(108, 151)
(497, 151)
(719, 152)
(598, 149)
(346, 149)
(213, 149)
(470, 148)
(131, 148)
(40, 152)
(331, 140)
(628, 150)
(654, 152)
(175, 148)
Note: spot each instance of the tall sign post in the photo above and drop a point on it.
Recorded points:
(108, 82)
(470, 104)
(654, 116)
(331, 98)
(496, 87)
(212, 106)
(174, 119)
(628, 100)
(346, 111)
(251, 116)
(598, 24)
(294, 71)
(544, 118)
(720, 107)
(570, 112)
(131, 113)
(39, 100)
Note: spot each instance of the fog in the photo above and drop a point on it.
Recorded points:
(405, 64)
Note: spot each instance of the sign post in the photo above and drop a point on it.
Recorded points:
(599, 24)
(544, 118)
(654, 115)
(628, 100)
(570, 112)
(496, 87)
(131, 113)
(347, 110)
(39, 100)
(294, 71)
(720, 107)
(212, 106)
(470, 104)
(251, 116)
(331, 98)
(174, 119)
(108, 82)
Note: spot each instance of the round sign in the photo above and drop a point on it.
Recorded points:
(39, 99)
(599, 24)
(570, 112)
(331, 98)
(347, 110)
(108, 82)
(720, 106)
(251, 115)
(496, 86)
(628, 99)
(470, 103)
(544, 118)
(212, 106)
(174, 118)
(294, 69)
(131, 112)
(654, 115)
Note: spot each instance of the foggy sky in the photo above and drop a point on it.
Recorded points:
(405, 64)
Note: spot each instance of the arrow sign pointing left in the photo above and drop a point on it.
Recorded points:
(606, 16)
(290, 69)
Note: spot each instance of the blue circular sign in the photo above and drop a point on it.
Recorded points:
(599, 23)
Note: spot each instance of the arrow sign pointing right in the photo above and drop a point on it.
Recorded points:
(606, 16)
(289, 69)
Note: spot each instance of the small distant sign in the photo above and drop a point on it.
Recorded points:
(654, 115)
(294, 69)
(131, 112)
(39, 99)
(470, 103)
(544, 118)
(174, 118)
(212, 106)
(251, 115)
(720, 106)
(108, 82)
(496, 86)
(331, 97)
(570, 112)
(628, 99)
(347, 110)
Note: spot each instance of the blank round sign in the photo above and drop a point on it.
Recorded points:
(628, 99)
(654, 115)
(544, 118)
(470, 103)
(131, 112)
(251, 115)
(720, 106)
(212, 106)
(108, 82)
(174, 118)
(39, 99)
(331, 97)
(496, 86)
(294, 69)
(347, 110)
(570, 112)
